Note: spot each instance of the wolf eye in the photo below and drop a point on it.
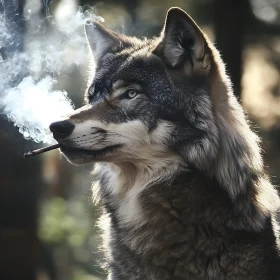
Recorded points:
(131, 93)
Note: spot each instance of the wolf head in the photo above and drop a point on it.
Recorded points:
(165, 99)
(147, 99)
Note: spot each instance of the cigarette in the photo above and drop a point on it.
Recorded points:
(40, 151)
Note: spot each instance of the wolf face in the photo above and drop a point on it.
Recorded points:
(148, 99)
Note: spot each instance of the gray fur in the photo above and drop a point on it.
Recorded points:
(179, 175)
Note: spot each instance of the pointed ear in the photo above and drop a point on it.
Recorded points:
(102, 40)
(183, 43)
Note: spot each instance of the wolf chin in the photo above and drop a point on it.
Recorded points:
(179, 171)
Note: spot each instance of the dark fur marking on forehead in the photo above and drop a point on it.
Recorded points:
(127, 84)
(109, 66)
(145, 43)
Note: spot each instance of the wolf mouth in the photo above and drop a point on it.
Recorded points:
(89, 153)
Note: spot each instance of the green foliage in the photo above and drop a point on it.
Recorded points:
(68, 228)
(60, 224)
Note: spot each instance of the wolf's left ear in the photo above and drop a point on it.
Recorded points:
(102, 40)
(183, 43)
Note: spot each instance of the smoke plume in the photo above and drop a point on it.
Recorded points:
(28, 78)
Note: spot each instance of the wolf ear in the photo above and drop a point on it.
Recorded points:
(183, 43)
(102, 40)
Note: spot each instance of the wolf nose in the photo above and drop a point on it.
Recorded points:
(61, 129)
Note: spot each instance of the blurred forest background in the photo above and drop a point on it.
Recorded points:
(47, 219)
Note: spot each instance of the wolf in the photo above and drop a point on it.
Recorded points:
(179, 172)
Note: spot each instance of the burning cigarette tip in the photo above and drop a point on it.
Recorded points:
(29, 154)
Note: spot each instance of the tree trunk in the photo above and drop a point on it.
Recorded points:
(230, 20)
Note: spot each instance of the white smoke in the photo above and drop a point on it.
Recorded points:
(33, 103)
(33, 106)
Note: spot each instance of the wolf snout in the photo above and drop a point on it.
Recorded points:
(61, 129)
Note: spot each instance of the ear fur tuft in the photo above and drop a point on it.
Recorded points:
(183, 43)
(102, 40)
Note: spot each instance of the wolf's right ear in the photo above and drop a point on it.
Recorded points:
(102, 40)
(183, 43)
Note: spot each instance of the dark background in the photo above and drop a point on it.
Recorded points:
(47, 219)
